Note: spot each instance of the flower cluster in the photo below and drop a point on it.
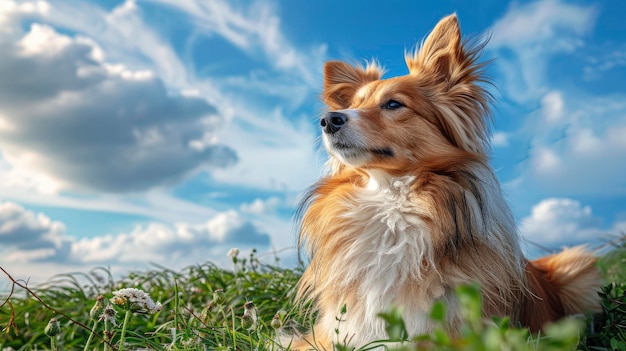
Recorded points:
(137, 299)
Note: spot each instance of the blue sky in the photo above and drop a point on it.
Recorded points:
(169, 131)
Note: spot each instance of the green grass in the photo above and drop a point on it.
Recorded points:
(205, 307)
(202, 307)
(613, 263)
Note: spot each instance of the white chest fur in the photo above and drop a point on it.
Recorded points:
(389, 261)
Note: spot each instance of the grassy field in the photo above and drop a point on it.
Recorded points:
(205, 307)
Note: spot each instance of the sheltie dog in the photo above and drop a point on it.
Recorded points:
(411, 207)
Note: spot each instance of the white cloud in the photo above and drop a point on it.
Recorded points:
(33, 237)
(577, 146)
(500, 139)
(108, 129)
(28, 236)
(529, 35)
(619, 228)
(10, 9)
(260, 206)
(552, 106)
(125, 23)
(273, 152)
(544, 20)
(555, 222)
(42, 40)
(597, 66)
(584, 163)
(157, 204)
(181, 244)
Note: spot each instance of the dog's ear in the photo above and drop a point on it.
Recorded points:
(342, 80)
(441, 52)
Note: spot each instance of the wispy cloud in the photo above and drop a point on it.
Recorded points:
(254, 29)
(529, 35)
(577, 145)
(598, 66)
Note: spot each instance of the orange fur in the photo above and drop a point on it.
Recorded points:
(560, 285)
(411, 207)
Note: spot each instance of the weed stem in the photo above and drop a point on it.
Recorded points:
(93, 331)
(122, 336)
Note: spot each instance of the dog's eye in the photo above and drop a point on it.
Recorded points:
(391, 105)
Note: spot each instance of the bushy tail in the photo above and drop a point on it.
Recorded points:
(561, 284)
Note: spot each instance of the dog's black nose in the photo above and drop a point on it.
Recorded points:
(333, 121)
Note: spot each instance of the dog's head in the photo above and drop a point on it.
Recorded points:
(438, 109)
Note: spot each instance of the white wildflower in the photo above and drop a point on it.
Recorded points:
(233, 253)
(108, 315)
(138, 300)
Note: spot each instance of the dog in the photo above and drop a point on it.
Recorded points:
(411, 207)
